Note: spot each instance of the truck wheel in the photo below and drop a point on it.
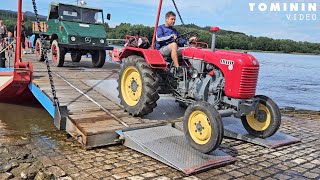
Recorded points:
(266, 122)
(202, 127)
(138, 86)
(98, 58)
(75, 57)
(57, 54)
(39, 51)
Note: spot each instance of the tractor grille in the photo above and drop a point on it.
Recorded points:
(248, 81)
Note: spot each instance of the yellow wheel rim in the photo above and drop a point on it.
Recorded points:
(264, 123)
(199, 127)
(131, 86)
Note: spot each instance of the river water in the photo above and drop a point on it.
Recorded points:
(290, 80)
(19, 120)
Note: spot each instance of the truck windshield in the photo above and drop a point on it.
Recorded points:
(74, 13)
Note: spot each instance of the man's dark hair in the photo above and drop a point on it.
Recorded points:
(170, 13)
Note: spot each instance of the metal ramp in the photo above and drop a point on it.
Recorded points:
(169, 146)
(168, 109)
(233, 128)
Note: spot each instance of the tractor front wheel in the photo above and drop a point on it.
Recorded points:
(202, 127)
(137, 86)
(267, 120)
(57, 54)
(98, 58)
(39, 50)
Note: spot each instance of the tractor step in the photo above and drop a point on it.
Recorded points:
(233, 128)
(169, 146)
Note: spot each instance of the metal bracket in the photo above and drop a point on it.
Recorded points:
(60, 117)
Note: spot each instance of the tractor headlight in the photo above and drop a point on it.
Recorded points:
(73, 38)
(102, 41)
(254, 62)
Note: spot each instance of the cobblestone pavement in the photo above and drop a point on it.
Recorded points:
(62, 156)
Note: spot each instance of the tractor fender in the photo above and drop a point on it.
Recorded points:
(153, 57)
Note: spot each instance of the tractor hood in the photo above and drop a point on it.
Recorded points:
(84, 30)
(220, 57)
(240, 70)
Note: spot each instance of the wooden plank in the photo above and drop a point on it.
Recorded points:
(87, 122)
(100, 114)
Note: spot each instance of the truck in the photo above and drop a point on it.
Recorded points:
(74, 29)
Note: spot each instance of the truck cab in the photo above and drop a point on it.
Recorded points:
(77, 30)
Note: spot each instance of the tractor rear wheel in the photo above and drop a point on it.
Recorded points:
(75, 57)
(137, 86)
(266, 122)
(98, 58)
(202, 127)
(39, 50)
(57, 54)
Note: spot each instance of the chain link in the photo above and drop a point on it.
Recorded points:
(44, 50)
(186, 31)
(175, 6)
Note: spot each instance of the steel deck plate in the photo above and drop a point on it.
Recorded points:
(233, 128)
(167, 109)
(168, 145)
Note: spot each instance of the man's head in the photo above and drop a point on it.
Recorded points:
(1, 22)
(9, 34)
(170, 19)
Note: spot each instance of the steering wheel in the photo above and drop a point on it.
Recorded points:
(187, 36)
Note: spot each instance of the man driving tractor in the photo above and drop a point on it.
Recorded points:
(168, 39)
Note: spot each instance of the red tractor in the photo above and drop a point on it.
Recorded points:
(214, 84)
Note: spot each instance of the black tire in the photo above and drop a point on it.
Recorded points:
(265, 127)
(75, 57)
(136, 72)
(57, 54)
(209, 124)
(98, 58)
(39, 50)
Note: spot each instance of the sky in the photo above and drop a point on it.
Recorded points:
(233, 15)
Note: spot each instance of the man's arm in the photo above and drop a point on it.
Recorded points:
(181, 41)
(161, 36)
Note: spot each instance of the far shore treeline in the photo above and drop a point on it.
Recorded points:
(225, 39)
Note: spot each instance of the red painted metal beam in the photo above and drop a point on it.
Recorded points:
(156, 25)
(18, 40)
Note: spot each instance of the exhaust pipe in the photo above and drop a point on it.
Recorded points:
(226, 112)
(214, 30)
